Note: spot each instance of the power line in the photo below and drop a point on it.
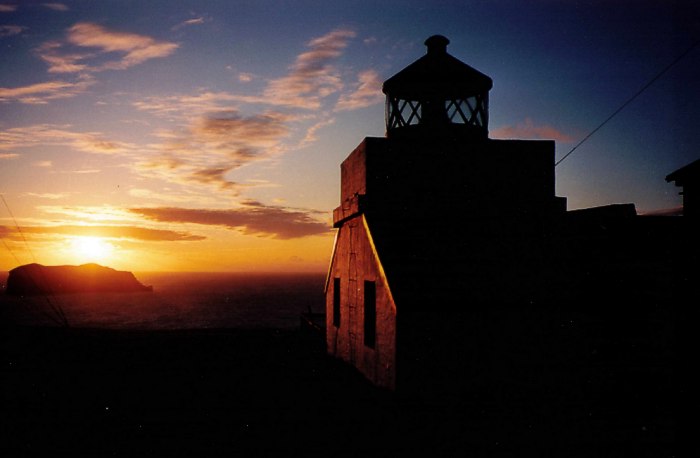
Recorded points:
(17, 226)
(644, 88)
(56, 308)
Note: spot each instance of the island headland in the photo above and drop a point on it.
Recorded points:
(86, 278)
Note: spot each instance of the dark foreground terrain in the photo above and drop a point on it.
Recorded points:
(199, 393)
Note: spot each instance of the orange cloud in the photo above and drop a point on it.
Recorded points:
(178, 106)
(252, 219)
(311, 131)
(60, 62)
(51, 134)
(528, 130)
(125, 232)
(213, 146)
(135, 49)
(40, 93)
(312, 77)
(367, 93)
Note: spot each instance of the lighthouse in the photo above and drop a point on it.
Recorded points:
(436, 220)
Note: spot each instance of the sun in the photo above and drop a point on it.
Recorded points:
(91, 248)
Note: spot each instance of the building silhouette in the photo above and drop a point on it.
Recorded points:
(688, 178)
(453, 252)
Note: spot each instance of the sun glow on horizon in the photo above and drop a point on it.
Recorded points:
(91, 249)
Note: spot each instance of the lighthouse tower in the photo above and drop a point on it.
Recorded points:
(435, 220)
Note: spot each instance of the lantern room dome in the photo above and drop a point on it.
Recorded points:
(437, 90)
(437, 73)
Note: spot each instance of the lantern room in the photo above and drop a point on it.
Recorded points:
(437, 95)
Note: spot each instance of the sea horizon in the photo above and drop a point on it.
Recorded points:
(179, 300)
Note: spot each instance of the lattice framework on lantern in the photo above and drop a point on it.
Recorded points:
(471, 111)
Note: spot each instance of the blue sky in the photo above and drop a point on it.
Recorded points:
(185, 131)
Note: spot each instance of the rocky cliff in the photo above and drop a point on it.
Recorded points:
(86, 278)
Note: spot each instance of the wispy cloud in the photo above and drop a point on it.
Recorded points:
(528, 130)
(41, 93)
(5, 8)
(167, 195)
(9, 30)
(368, 92)
(186, 107)
(60, 61)
(134, 49)
(103, 214)
(55, 6)
(252, 219)
(52, 134)
(8, 155)
(311, 131)
(49, 195)
(117, 232)
(214, 145)
(45, 164)
(312, 76)
(194, 21)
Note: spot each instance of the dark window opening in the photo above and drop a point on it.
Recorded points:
(336, 302)
(370, 313)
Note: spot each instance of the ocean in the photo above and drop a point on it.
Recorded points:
(180, 300)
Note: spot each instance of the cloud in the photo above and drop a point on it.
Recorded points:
(84, 171)
(528, 130)
(193, 21)
(9, 30)
(42, 164)
(121, 232)
(214, 145)
(134, 48)
(251, 219)
(87, 213)
(7, 8)
(55, 6)
(52, 134)
(49, 195)
(213, 175)
(312, 76)
(8, 155)
(245, 77)
(167, 195)
(311, 132)
(368, 92)
(41, 93)
(52, 53)
(137, 48)
(232, 133)
(187, 106)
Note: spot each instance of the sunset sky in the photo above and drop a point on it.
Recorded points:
(207, 135)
